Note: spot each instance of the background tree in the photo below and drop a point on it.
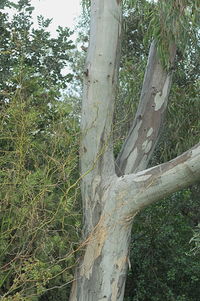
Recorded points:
(39, 135)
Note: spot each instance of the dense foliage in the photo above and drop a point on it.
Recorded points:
(39, 178)
(162, 265)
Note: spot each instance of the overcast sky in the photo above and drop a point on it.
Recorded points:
(63, 12)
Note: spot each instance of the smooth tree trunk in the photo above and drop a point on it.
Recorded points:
(114, 192)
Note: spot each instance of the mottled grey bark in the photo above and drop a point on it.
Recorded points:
(98, 106)
(143, 135)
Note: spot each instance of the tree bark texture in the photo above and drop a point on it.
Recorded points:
(143, 135)
(113, 192)
(98, 104)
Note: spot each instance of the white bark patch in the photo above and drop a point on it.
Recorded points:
(161, 96)
(133, 138)
(148, 147)
(142, 178)
(144, 144)
(150, 131)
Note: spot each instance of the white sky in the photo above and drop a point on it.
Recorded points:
(63, 12)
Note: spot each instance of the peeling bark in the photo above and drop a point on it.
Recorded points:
(102, 272)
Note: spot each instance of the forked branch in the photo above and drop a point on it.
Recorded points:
(160, 181)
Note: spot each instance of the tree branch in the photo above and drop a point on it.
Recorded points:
(145, 187)
(144, 133)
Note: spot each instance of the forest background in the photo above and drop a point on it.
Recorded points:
(40, 209)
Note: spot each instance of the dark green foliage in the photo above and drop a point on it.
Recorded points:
(132, 67)
(162, 266)
(39, 219)
(21, 44)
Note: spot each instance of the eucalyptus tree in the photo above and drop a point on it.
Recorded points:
(115, 190)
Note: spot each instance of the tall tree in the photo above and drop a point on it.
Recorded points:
(114, 191)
